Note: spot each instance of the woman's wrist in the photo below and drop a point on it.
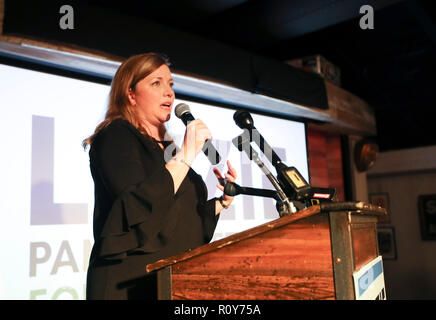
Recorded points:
(186, 155)
(223, 203)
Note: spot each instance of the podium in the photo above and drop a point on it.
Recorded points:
(310, 254)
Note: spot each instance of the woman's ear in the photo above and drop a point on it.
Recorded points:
(132, 97)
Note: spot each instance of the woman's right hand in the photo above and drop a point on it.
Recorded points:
(196, 135)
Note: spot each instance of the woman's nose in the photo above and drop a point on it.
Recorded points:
(169, 92)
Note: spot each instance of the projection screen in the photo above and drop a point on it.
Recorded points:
(47, 190)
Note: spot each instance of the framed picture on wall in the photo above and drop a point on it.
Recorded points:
(382, 200)
(427, 216)
(386, 243)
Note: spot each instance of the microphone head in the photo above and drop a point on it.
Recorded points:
(231, 189)
(181, 109)
(243, 119)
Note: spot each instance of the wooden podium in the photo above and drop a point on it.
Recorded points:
(311, 254)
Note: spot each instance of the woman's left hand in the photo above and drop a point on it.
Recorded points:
(229, 176)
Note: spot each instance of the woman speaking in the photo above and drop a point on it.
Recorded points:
(147, 207)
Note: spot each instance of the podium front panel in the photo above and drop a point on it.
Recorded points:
(293, 262)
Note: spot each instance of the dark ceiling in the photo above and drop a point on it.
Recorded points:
(391, 66)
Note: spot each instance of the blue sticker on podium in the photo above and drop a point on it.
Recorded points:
(369, 281)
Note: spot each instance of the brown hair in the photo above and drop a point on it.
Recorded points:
(130, 72)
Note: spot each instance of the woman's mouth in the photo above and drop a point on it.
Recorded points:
(166, 105)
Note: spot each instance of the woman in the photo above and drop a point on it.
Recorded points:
(146, 208)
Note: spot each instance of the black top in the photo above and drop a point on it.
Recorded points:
(137, 217)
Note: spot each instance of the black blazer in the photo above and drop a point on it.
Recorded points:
(136, 211)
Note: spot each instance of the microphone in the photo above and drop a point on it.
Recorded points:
(232, 189)
(283, 206)
(243, 119)
(290, 181)
(183, 112)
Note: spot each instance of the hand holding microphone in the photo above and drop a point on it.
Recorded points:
(197, 136)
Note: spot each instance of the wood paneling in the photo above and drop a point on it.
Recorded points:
(294, 262)
(260, 287)
(364, 244)
(325, 161)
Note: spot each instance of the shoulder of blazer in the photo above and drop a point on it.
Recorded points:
(123, 129)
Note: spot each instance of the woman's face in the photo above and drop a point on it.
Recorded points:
(153, 96)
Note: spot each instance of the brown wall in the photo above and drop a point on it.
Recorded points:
(325, 161)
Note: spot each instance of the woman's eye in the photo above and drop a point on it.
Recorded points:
(156, 83)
